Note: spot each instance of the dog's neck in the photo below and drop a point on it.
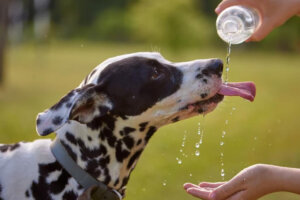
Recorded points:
(107, 148)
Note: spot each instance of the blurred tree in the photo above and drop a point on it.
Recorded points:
(178, 23)
(3, 35)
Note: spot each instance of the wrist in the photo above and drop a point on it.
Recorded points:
(296, 5)
(271, 178)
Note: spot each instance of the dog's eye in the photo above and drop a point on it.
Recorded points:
(157, 74)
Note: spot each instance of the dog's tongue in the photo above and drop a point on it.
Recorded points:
(245, 90)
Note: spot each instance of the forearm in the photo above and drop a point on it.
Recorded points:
(287, 179)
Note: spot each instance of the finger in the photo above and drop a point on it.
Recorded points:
(237, 196)
(199, 192)
(211, 185)
(228, 189)
(189, 185)
(261, 32)
(227, 3)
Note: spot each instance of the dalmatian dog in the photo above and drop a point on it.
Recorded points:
(106, 123)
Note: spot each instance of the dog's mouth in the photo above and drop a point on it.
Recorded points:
(246, 90)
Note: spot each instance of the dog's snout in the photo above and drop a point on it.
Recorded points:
(215, 67)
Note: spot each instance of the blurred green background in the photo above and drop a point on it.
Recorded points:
(41, 66)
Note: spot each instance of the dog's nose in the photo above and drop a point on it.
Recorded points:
(215, 67)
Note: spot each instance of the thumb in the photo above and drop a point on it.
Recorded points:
(262, 31)
(227, 3)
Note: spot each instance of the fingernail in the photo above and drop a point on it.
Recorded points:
(217, 10)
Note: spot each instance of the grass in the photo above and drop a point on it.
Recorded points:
(265, 131)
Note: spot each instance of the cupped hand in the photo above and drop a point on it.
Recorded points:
(250, 184)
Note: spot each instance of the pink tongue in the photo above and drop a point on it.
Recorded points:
(245, 90)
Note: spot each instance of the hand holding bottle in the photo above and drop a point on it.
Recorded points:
(272, 13)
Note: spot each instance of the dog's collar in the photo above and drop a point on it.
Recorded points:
(102, 192)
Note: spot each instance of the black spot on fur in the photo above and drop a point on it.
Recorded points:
(109, 136)
(203, 95)
(176, 119)
(120, 153)
(129, 141)
(9, 147)
(107, 176)
(47, 131)
(103, 162)
(57, 120)
(117, 182)
(65, 99)
(143, 126)
(199, 76)
(89, 138)
(38, 121)
(41, 189)
(150, 132)
(58, 186)
(205, 72)
(127, 130)
(125, 181)
(27, 194)
(134, 158)
(139, 142)
(69, 195)
(89, 153)
(68, 105)
(204, 80)
(71, 138)
(92, 168)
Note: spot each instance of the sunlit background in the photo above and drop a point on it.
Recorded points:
(48, 46)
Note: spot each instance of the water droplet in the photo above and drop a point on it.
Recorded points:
(226, 121)
(222, 154)
(197, 153)
(200, 141)
(180, 150)
(221, 143)
(233, 108)
(164, 183)
(179, 162)
(191, 174)
(197, 145)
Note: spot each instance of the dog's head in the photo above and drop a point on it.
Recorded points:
(141, 86)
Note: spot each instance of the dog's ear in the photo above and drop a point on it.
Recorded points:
(82, 105)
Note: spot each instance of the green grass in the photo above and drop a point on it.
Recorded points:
(265, 131)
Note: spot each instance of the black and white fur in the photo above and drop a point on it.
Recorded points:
(106, 123)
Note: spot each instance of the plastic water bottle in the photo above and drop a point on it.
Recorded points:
(237, 23)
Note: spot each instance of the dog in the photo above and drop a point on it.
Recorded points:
(106, 122)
